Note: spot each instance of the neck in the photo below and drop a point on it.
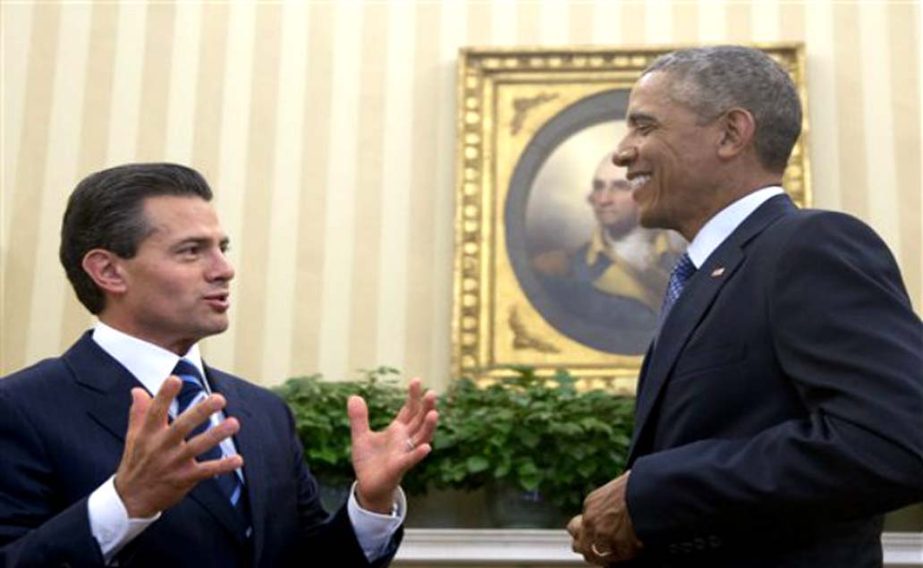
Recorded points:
(178, 346)
(727, 194)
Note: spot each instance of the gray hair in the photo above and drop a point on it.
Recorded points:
(713, 80)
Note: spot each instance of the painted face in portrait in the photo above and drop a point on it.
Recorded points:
(611, 199)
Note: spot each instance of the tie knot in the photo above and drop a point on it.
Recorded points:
(185, 367)
(192, 384)
(683, 270)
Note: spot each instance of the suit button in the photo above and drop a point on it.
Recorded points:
(714, 542)
(699, 543)
(673, 549)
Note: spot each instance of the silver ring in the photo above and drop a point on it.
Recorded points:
(410, 445)
(598, 553)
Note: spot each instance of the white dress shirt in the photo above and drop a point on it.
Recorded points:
(720, 227)
(151, 365)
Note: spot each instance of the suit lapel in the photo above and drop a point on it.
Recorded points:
(106, 384)
(700, 292)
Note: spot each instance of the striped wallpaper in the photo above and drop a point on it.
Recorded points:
(327, 131)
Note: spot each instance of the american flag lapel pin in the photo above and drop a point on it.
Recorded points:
(718, 272)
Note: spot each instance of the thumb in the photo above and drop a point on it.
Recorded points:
(358, 414)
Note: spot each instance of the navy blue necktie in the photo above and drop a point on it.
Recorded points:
(192, 393)
(682, 272)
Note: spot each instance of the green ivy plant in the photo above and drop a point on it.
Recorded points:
(534, 433)
(319, 408)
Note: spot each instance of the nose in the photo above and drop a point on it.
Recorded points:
(222, 269)
(605, 196)
(624, 155)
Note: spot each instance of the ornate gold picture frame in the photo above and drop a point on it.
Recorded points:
(533, 126)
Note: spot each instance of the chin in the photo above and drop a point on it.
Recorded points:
(214, 328)
(652, 220)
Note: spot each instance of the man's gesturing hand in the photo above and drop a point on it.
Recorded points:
(158, 466)
(380, 459)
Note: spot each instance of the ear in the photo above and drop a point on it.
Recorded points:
(737, 129)
(105, 268)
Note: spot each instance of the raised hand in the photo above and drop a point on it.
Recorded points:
(380, 459)
(159, 466)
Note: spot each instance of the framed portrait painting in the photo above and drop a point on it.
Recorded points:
(552, 269)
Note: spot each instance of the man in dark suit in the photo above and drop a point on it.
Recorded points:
(209, 470)
(780, 406)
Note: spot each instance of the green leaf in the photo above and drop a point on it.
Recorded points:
(477, 464)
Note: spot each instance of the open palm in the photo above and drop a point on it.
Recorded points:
(380, 459)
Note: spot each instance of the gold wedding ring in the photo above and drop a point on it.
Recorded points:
(597, 552)
(410, 445)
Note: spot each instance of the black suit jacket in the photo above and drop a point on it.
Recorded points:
(63, 423)
(780, 412)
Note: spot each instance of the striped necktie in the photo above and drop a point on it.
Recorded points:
(681, 273)
(192, 393)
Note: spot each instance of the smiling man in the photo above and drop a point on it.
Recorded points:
(780, 406)
(129, 450)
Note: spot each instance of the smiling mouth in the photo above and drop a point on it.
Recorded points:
(635, 181)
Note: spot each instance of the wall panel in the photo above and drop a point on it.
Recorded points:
(327, 132)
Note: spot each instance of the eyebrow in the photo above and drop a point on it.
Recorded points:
(637, 116)
(223, 242)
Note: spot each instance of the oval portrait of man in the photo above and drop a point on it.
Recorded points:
(573, 232)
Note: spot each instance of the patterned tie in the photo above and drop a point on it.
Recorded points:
(192, 393)
(682, 272)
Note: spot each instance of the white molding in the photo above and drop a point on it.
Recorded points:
(903, 549)
(488, 545)
(552, 547)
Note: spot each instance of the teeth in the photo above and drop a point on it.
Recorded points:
(638, 181)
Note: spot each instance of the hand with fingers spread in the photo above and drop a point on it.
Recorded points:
(159, 465)
(380, 459)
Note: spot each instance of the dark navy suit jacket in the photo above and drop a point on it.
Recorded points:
(62, 424)
(780, 412)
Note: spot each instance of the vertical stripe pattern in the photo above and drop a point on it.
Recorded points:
(289, 109)
(60, 167)
(376, 165)
(327, 132)
(396, 179)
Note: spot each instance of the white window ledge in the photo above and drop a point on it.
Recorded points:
(434, 547)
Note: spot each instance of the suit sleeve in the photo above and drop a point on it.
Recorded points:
(33, 529)
(847, 339)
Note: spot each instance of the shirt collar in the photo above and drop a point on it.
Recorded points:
(149, 363)
(723, 223)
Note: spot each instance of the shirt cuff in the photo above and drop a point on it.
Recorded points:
(375, 531)
(109, 520)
